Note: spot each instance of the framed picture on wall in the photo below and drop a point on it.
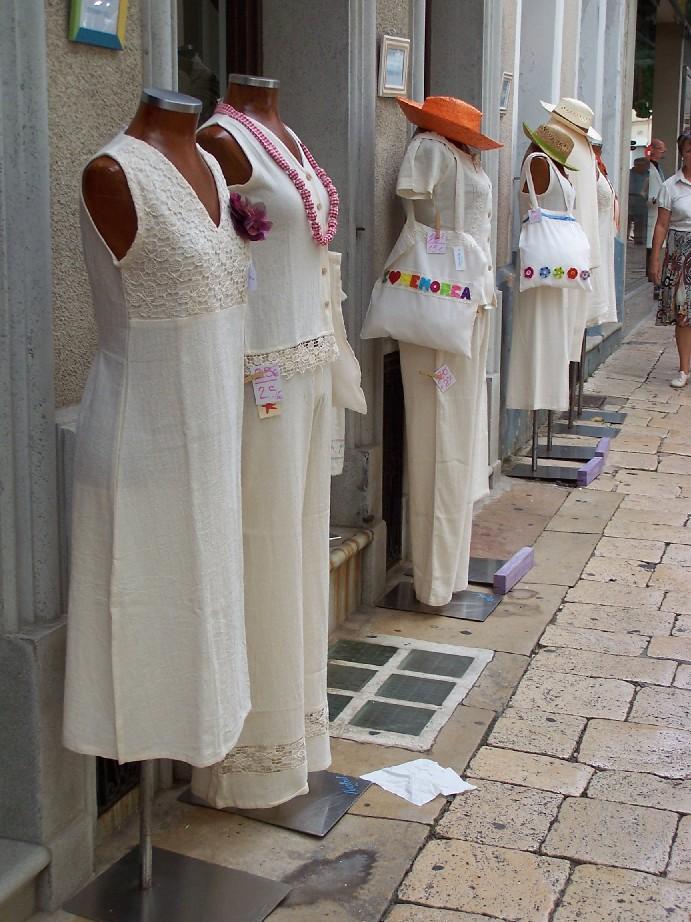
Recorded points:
(506, 81)
(98, 22)
(394, 62)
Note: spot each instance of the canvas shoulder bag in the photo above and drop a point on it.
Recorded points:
(432, 284)
(554, 249)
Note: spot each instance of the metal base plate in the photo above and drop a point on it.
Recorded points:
(593, 400)
(184, 890)
(591, 432)
(604, 416)
(543, 472)
(481, 570)
(466, 605)
(567, 452)
(330, 797)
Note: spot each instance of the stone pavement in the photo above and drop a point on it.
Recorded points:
(577, 734)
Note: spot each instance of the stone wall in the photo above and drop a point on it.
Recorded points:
(92, 94)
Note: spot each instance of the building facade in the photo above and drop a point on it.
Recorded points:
(60, 102)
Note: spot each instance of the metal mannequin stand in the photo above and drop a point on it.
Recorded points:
(330, 797)
(155, 885)
(576, 382)
(581, 476)
(465, 605)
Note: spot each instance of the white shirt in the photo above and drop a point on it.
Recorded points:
(675, 196)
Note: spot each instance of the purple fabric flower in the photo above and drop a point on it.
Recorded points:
(249, 218)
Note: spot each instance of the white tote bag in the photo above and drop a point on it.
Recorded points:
(554, 249)
(346, 376)
(432, 285)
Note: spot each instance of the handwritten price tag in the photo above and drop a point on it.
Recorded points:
(267, 385)
(443, 378)
(436, 243)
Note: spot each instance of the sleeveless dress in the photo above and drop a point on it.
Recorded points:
(286, 479)
(446, 433)
(156, 662)
(603, 307)
(542, 322)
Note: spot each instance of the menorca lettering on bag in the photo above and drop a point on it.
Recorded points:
(427, 285)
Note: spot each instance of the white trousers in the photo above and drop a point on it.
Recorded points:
(446, 450)
(286, 476)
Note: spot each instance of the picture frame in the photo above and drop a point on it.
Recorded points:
(98, 22)
(394, 64)
(505, 95)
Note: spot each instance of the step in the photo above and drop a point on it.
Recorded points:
(20, 865)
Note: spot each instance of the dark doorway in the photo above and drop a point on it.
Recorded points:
(392, 462)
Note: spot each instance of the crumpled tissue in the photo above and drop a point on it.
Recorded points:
(419, 781)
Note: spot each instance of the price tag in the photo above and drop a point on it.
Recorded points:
(459, 258)
(251, 277)
(534, 216)
(436, 243)
(268, 390)
(443, 378)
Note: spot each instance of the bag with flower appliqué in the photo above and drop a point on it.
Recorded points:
(554, 249)
(429, 296)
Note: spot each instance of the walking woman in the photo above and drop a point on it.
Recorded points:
(674, 275)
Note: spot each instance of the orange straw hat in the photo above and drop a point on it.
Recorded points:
(449, 117)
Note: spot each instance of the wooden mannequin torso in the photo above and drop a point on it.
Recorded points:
(261, 104)
(104, 186)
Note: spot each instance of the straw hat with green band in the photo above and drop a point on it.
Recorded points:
(553, 141)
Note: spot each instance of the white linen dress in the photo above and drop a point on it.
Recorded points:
(603, 308)
(286, 478)
(446, 433)
(156, 662)
(542, 322)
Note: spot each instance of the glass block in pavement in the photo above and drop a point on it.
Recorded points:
(358, 651)
(349, 678)
(436, 663)
(395, 718)
(412, 688)
(336, 704)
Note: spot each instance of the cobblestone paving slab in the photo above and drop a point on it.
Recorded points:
(647, 621)
(680, 862)
(595, 593)
(631, 549)
(538, 731)
(637, 748)
(529, 770)
(611, 895)
(498, 882)
(620, 835)
(611, 570)
(606, 665)
(596, 641)
(410, 913)
(672, 648)
(664, 707)
(579, 696)
(683, 677)
(506, 815)
(642, 789)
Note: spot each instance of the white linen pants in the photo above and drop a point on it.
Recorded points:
(540, 350)
(286, 477)
(446, 451)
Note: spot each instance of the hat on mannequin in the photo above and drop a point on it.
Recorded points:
(449, 117)
(574, 113)
(556, 143)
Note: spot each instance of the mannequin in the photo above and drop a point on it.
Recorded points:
(542, 326)
(156, 663)
(576, 119)
(446, 432)
(172, 132)
(286, 458)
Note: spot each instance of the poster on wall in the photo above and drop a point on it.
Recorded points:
(99, 22)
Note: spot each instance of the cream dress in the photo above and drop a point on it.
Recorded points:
(156, 662)
(603, 308)
(542, 322)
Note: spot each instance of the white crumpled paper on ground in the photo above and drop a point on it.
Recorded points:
(419, 781)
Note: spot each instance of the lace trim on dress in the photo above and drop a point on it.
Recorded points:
(296, 359)
(279, 757)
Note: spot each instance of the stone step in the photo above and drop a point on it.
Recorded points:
(20, 865)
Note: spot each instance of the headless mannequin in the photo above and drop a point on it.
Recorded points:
(539, 169)
(256, 97)
(167, 121)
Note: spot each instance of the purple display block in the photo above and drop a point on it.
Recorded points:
(590, 471)
(602, 448)
(514, 570)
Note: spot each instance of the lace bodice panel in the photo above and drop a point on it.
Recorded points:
(180, 263)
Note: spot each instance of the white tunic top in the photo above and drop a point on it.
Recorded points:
(289, 320)
(603, 307)
(156, 663)
(675, 196)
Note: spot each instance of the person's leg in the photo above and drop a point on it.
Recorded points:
(683, 338)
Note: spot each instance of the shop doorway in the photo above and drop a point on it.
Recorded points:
(392, 457)
(215, 38)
